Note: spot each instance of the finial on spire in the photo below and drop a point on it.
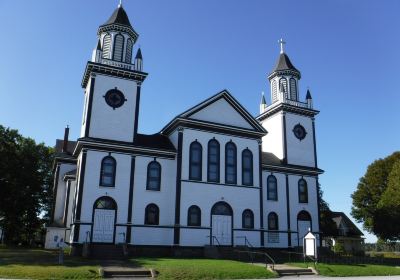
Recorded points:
(281, 42)
(120, 4)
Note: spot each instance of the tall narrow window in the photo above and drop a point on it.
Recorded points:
(247, 219)
(283, 86)
(247, 167)
(194, 216)
(303, 191)
(213, 161)
(153, 176)
(195, 161)
(152, 215)
(128, 55)
(107, 172)
(293, 89)
(230, 163)
(106, 46)
(118, 47)
(274, 91)
(272, 188)
(273, 221)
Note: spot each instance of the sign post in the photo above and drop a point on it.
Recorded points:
(310, 246)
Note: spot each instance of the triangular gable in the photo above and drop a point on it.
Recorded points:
(222, 108)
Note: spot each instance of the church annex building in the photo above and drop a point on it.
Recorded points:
(214, 175)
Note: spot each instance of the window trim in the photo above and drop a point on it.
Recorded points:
(230, 143)
(156, 163)
(106, 54)
(146, 212)
(217, 163)
(270, 214)
(268, 188)
(122, 48)
(200, 163)
(101, 183)
(189, 222)
(250, 169)
(251, 217)
(305, 191)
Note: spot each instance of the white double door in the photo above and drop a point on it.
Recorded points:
(103, 226)
(222, 229)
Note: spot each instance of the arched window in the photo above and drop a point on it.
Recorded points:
(273, 221)
(303, 191)
(118, 47)
(153, 176)
(283, 86)
(230, 163)
(128, 55)
(213, 161)
(247, 219)
(194, 216)
(195, 161)
(222, 208)
(106, 203)
(247, 167)
(272, 188)
(107, 173)
(274, 91)
(106, 46)
(293, 89)
(152, 215)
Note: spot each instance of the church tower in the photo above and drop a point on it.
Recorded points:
(112, 82)
(289, 121)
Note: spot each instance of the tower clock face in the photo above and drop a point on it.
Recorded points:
(114, 98)
(299, 131)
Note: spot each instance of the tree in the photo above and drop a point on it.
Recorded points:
(327, 225)
(25, 185)
(371, 206)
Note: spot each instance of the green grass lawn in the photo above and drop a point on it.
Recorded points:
(353, 270)
(170, 268)
(42, 264)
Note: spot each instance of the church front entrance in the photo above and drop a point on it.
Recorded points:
(104, 215)
(221, 224)
(303, 226)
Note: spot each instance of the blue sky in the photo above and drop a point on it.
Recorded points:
(347, 52)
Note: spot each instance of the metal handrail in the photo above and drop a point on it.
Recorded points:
(260, 253)
(246, 241)
(214, 238)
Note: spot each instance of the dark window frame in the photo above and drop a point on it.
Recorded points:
(151, 164)
(251, 216)
(113, 174)
(189, 220)
(210, 163)
(303, 193)
(269, 190)
(193, 164)
(233, 165)
(248, 169)
(150, 207)
(275, 216)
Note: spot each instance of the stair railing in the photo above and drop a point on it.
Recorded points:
(213, 237)
(246, 241)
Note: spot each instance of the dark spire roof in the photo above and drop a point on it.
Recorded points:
(284, 63)
(98, 45)
(308, 95)
(263, 99)
(119, 16)
(139, 54)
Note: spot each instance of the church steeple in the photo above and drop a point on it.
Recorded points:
(116, 40)
(284, 78)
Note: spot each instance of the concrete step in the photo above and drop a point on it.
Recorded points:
(125, 272)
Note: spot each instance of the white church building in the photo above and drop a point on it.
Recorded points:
(214, 175)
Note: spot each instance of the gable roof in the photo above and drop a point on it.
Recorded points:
(223, 95)
(340, 217)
